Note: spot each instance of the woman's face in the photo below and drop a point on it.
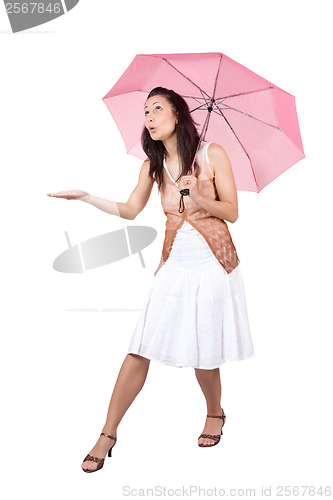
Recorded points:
(160, 118)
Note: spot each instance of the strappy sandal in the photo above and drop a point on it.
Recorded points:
(215, 438)
(100, 461)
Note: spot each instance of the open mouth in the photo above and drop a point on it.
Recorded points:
(152, 129)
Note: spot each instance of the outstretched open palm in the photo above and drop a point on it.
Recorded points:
(73, 194)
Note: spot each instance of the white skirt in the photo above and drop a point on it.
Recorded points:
(195, 312)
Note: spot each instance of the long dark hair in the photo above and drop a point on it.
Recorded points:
(187, 138)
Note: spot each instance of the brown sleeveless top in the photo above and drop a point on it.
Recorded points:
(214, 230)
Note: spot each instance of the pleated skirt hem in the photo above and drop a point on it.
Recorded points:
(145, 354)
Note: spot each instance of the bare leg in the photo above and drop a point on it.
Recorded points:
(131, 378)
(210, 383)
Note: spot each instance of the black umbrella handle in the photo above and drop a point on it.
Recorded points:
(183, 192)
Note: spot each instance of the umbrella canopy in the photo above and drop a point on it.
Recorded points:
(251, 118)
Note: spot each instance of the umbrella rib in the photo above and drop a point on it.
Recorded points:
(244, 93)
(202, 107)
(250, 116)
(185, 96)
(187, 78)
(212, 98)
(216, 77)
(197, 99)
(237, 138)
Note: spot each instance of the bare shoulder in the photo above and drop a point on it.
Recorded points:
(218, 158)
(144, 172)
(145, 165)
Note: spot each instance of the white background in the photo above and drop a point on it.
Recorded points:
(59, 361)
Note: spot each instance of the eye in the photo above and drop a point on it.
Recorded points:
(146, 112)
(158, 107)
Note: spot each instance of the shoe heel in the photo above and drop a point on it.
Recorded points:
(111, 437)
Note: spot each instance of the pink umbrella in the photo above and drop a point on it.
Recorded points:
(254, 120)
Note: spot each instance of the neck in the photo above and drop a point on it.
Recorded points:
(170, 145)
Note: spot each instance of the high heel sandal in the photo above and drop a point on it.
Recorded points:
(215, 438)
(100, 461)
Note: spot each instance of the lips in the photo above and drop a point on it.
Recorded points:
(152, 129)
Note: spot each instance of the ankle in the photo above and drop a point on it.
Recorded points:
(111, 431)
(214, 411)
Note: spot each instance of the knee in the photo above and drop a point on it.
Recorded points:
(200, 372)
(139, 358)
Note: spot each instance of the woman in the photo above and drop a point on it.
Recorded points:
(195, 312)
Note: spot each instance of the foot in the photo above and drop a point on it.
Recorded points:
(99, 451)
(212, 426)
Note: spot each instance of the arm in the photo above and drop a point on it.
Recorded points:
(135, 203)
(227, 208)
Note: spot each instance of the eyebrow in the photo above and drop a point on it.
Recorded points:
(153, 103)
